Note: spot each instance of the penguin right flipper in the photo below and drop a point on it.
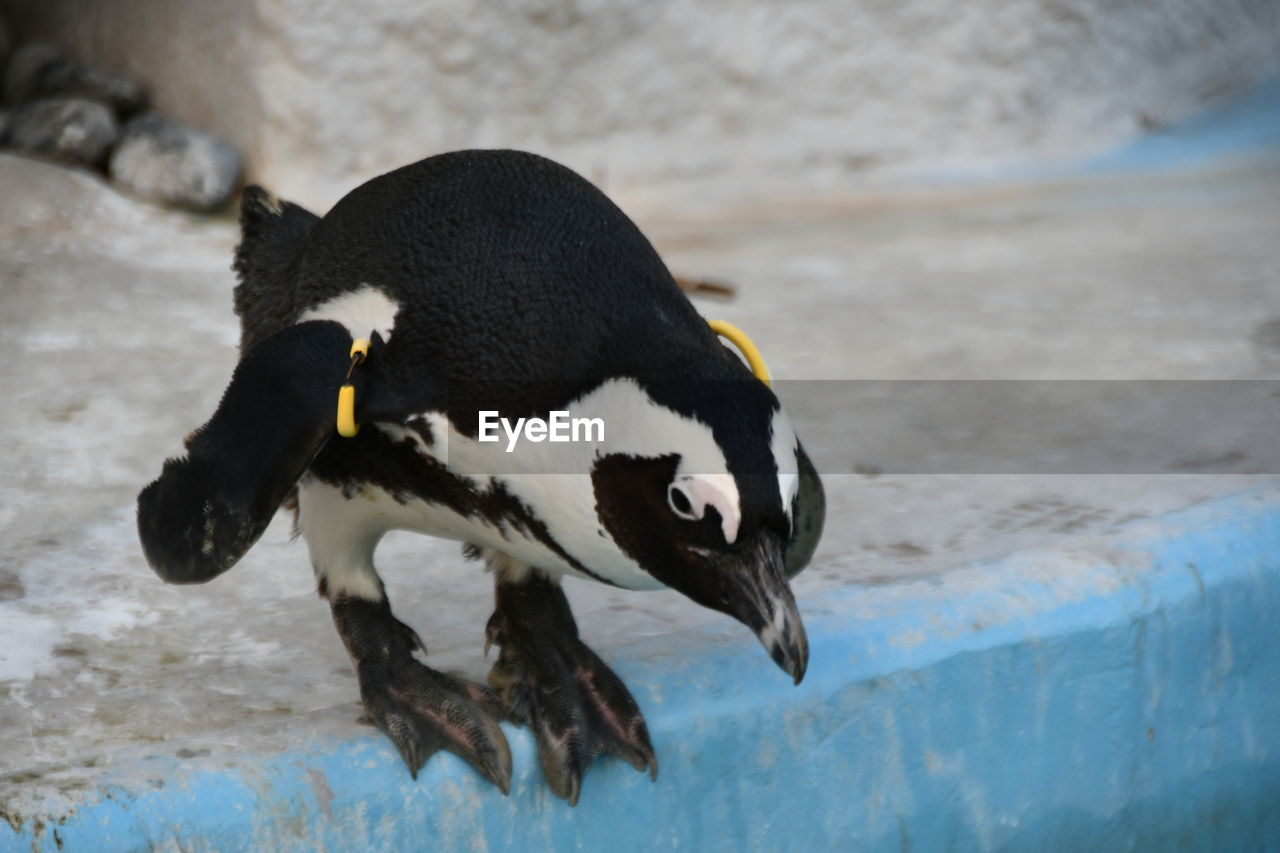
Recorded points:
(808, 513)
(208, 507)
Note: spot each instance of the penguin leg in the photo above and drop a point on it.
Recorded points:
(422, 710)
(549, 680)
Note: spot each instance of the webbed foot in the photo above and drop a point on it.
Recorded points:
(423, 711)
(549, 680)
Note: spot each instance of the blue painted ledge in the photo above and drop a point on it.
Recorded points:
(1244, 127)
(1246, 124)
(1123, 695)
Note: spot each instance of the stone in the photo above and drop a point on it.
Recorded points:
(38, 70)
(167, 161)
(73, 129)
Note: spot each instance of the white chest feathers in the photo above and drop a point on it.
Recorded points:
(536, 503)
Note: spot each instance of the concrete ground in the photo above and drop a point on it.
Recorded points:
(120, 338)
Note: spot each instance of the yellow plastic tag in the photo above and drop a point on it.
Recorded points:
(740, 340)
(347, 426)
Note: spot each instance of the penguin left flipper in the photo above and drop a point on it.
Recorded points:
(551, 681)
(208, 507)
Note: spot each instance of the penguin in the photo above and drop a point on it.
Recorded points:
(466, 288)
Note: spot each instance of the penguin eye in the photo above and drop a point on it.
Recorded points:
(680, 503)
(691, 496)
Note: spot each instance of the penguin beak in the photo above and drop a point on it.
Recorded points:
(757, 594)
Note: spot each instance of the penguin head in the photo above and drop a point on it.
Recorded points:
(720, 502)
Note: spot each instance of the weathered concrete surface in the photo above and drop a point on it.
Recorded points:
(1122, 694)
(675, 98)
(121, 338)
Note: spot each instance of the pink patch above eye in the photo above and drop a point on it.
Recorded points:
(703, 494)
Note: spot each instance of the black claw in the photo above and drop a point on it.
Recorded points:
(574, 791)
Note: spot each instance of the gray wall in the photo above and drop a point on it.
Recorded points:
(684, 101)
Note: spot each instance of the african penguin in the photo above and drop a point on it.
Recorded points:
(491, 284)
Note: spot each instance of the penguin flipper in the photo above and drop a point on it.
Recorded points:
(808, 514)
(208, 507)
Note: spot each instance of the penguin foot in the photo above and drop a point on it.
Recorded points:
(550, 681)
(423, 711)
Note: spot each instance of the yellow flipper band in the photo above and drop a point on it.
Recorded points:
(347, 426)
(740, 340)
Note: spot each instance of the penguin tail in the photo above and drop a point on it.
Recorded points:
(273, 235)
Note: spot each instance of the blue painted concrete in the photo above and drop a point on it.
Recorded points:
(1126, 696)
(1246, 124)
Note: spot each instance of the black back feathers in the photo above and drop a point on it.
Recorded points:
(508, 268)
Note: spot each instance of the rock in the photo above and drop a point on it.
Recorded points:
(74, 129)
(37, 70)
(167, 161)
